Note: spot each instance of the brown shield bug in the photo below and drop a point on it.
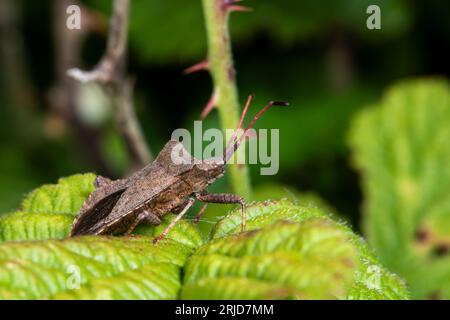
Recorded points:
(117, 207)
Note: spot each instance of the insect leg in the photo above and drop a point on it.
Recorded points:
(197, 217)
(143, 216)
(199, 214)
(189, 204)
(224, 198)
(151, 219)
(180, 208)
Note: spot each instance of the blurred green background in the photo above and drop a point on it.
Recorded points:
(318, 55)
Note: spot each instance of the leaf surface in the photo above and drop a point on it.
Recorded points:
(401, 148)
(290, 251)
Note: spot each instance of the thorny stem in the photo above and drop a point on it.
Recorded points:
(225, 91)
(110, 73)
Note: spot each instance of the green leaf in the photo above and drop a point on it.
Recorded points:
(276, 192)
(307, 255)
(85, 267)
(92, 268)
(66, 197)
(183, 232)
(267, 264)
(320, 257)
(48, 212)
(401, 148)
(261, 214)
(32, 226)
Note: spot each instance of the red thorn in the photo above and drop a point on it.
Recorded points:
(203, 65)
(209, 106)
(231, 5)
(238, 8)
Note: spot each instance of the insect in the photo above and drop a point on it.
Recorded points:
(118, 206)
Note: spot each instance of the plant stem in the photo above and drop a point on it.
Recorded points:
(225, 91)
(110, 74)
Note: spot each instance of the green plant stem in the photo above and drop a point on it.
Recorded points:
(225, 90)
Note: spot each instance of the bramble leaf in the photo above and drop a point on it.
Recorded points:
(85, 267)
(401, 148)
(48, 211)
(91, 268)
(289, 251)
(273, 191)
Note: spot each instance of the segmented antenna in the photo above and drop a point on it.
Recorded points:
(239, 126)
(234, 144)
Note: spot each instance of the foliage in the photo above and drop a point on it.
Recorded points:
(401, 149)
(319, 56)
(179, 33)
(321, 258)
(47, 212)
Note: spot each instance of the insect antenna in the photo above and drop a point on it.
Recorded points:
(233, 144)
(239, 126)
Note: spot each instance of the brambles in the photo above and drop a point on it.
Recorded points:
(321, 258)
